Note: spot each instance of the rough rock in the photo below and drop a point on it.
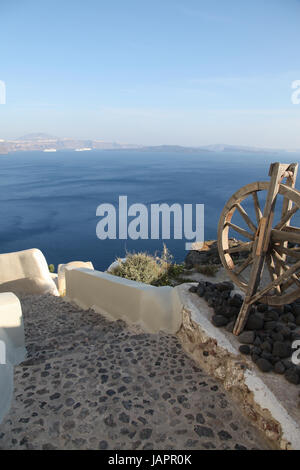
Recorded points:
(255, 322)
(279, 368)
(292, 375)
(264, 365)
(245, 349)
(281, 349)
(208, 254)
(219, 320)
(247, 337)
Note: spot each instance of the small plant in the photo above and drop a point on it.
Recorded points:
(155, 270)
(51, 268)
(172, 276)
(208, 269)
(141, 267)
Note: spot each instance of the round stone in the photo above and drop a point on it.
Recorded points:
(287, 363)
(272, 315)
(200, 419)
(270, 325)
(296, 310)
(193, 289)
(245, 349)
(200, 290)
(264, 365)
(255, 322)
(204, 431)
(292, 375)
(268, 356)
(236, 301)
(279, 368)
(262, 308)
(103, 445)
(219, 320)
(281, 349)
(224, 435)
(287, 317)
(145, 433)
(230, 326)
(266, 346)
(246, 337)
(225, 286)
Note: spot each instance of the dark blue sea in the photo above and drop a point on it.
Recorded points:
(49, 200)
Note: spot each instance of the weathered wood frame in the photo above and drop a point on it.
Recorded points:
(266, 244)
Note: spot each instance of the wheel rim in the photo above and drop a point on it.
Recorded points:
(279, 259)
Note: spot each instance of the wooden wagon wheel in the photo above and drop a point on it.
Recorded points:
(267, 246)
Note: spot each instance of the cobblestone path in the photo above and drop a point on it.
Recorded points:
(93, 384)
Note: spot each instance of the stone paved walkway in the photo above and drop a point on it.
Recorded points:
(92, 384)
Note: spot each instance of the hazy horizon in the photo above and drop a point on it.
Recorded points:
(183, 73)
(211, 144)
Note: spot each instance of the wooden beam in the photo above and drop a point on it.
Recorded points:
(285, 236)
(264, 233)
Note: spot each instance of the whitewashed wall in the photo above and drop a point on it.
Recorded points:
(12, 346)
(26, 272)
(153, 308)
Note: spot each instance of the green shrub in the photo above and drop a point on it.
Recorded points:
(149, 269)
(51, 268)
(141, 267)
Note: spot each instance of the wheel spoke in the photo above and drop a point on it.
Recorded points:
(287, 251)
(257, 208)
(285, 285)
(286, 218)
(280, 279)
(284, 267)
(244, 265)
(241, 231)
(273, 275)
(246, 218)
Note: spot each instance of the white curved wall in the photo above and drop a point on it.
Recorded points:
(12, 337)
(153, 308)
(61, 279)
(26, 272)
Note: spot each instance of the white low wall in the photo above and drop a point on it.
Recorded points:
(26, 272)
(12, 346)
(61, 279)
(153, 308)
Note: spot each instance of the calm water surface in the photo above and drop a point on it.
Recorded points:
(49, 201)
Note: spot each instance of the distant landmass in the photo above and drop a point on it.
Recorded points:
(45, 142)
(48, 143)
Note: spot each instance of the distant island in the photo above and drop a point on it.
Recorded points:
(48, 143)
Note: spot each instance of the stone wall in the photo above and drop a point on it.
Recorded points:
(260, 398)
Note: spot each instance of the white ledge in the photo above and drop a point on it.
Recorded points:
(152, 308)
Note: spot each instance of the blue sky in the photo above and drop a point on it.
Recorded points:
(187, 72)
